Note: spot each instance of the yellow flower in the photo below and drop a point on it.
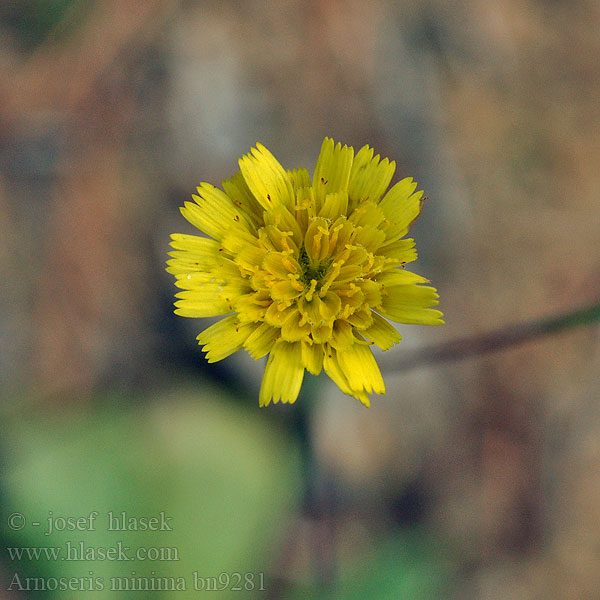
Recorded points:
(309, 271)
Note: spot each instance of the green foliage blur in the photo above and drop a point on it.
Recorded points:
(222, 476)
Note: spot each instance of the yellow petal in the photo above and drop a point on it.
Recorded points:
(340, 233)
(281, 264)
(312, 309)
(182, 264)
(335, 372)
(333, 369)
(236, 241)
(261, 340)
(278, 313)
(228, 286)
(286, 290)
(267, 179)
(369, 237)
(201, 303)
(283, 374)
(414, 316)
(382, 333)
(300, 178)
(224, 338)
(410, 304)
(330, 306)
(356, 255)
(369, 177)
(305, 207)
(253, 306)
(239, 192)
(214, 212)
(191, 281)
(399, 277)
(348, 273)
(332, 171)
(213, 308)
(399, 251)
(295, 328)
(312, 357)
(281, 218)
(192, 253)
(361, 319)
(371, 291)
(401, 207)
(367, 214)
(411, 295)
(342, 336)
(352, 299)
(398, 195)
(335, 205)
(204, 299)
(316, 240)
(361, 369)
(249, 258)
(322, 333)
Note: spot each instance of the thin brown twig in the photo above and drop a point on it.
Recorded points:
(506, 337)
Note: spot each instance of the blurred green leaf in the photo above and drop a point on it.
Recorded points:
(406, 566)
(33, 21)
(223, 474)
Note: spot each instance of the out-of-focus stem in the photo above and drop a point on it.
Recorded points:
(507, 337)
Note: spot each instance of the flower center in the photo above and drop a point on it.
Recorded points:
(310, 272)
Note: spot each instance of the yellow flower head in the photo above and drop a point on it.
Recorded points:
(308, 271)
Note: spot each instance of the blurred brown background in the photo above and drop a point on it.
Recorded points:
(475, 479)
